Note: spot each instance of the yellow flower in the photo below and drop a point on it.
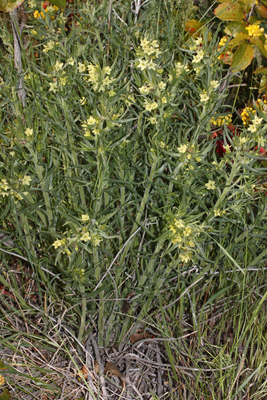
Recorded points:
(107, 70)
(198, 41)
(198, 57)
(162, 85)
(145, 89)
(81, 67)
(29, 132)
(182, 148)
(204, 97)
(210, 185)
(242, 140)
(71, 61)
(53, 87)
(255, 30)
(2, 379)
(88, 133)
(85, 217)
(57, 243)
(257, 120)
(150, 106)
(26, 180)
(227, 148)
(187, 231)
(4, 185)
(91, 121)
(177, 239)
(214, 84)
(142, 64)
(152, 120)
(85, 237)
(58, 66)
(151, 65)
(178, 223)
(185, 257)
(48, 46)
(63, 80)
(217, 212)
(223, 41)
(36, 14)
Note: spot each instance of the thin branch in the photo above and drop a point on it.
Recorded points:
(17, 52)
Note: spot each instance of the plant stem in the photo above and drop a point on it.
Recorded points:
(83, 316)
(17, 53)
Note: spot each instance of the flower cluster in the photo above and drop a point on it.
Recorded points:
(254, 30)
(218, 212)
(91, 126)
(196, 43)
(198, 57)
(179, 71)
(150, 47)
(246, 114)
(223, 41)
(222, 120)
(87, 232)
(146, 64)
(49, 46)
(6, 190)
(99, 78)
(249, 112)
(148, 51)
(188, 155)
(184, 236)
(47, 9)
(253, 127)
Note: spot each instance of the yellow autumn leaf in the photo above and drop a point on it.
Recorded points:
(2, 380)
